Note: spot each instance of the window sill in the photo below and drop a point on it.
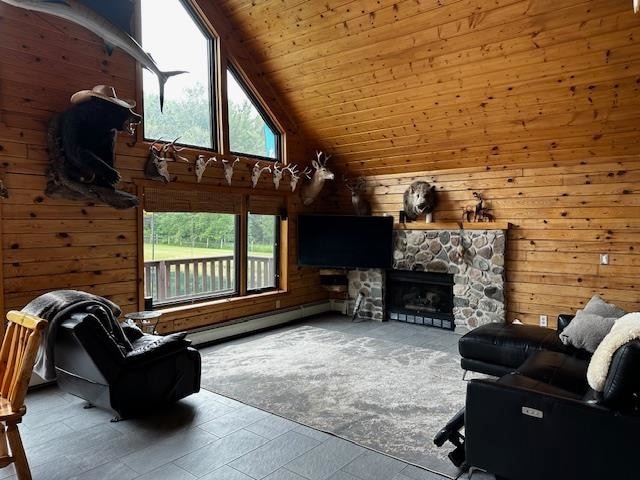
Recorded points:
(215, 303)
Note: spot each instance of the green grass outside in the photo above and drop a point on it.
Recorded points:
(173, 252)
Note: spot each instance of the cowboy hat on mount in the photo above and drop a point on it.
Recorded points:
(104, 92)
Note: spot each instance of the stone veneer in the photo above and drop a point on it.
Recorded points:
(474, 257)
(369, 282)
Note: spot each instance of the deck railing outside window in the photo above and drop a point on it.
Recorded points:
(182, 279)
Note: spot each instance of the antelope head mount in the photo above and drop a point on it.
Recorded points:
(228, 169)
(256, 172)
(321, 173)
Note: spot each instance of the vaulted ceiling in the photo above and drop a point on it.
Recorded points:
(391, 86)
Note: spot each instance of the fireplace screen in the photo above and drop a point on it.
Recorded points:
(420, 297)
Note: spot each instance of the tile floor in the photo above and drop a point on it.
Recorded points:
(207, 436)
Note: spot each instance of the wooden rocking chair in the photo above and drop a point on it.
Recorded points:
(17, 356)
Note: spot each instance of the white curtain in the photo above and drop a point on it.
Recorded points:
(636, 5)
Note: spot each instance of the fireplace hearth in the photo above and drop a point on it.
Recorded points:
(424, 298)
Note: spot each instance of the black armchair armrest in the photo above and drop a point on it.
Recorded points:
(132, 332)
(150, 348)
(526, 432)
(564, 319)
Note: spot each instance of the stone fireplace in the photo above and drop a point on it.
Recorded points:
(474, 259)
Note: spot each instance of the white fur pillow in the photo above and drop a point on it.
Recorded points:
(625, 329)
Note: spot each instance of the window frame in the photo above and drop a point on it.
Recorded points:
(235, 72)
(241, 246)
(277, 253)
(213, 62)
(196, 300)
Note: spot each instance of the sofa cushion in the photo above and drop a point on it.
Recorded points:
(591, 325)
(558, 370)
(508, 345)
(598, 306)
(586, 330)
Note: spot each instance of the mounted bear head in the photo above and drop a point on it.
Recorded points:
(82, 147)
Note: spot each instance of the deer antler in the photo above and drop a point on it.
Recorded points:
(174, 151)
(201, 166)
(319, 154)
(256, 172)
(307, 172)
(153, 145)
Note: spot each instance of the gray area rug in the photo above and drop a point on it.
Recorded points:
(386, 396)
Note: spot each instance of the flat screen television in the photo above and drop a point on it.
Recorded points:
(345, 241)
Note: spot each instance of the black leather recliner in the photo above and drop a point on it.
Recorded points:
(542, 421)
(130, 376)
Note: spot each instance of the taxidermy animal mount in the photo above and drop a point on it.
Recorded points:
(228, 169)
(81, 144)
(201, 165)
(157, 167)
(419, 199)
(256, 172)
(113, 36)
(478, 212)
(321, 173)
(358, 189)
(296, 175)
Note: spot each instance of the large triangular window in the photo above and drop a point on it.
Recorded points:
(178, 41)
(251, 132)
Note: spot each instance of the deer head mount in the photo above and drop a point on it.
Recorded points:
(321, 173)
(295, 175)
(201, 166)
(358, 189)
(256, 172)
(278, 171)
(157, 163)
(228, 169)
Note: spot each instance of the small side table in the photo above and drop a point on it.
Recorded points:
(144, 320)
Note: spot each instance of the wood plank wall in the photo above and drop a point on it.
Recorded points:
(54, 244)
(533, 102)
(563, 216)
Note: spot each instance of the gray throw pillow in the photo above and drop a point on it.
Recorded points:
(586, 330)
(598, 306)
(591, 325)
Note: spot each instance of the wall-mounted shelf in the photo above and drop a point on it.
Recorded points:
(452, 226)
(334, 279)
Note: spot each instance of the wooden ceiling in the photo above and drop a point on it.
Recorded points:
(392, 86)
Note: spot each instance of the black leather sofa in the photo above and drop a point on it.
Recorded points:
(130, 377)
(497, 349)
(542, 421)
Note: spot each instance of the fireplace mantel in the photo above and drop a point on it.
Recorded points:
(452, 226)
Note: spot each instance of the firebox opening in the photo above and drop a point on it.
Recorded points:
(420, 297)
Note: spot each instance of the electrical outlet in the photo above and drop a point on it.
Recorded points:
(543, 321)
(604, 259)
(277, 303)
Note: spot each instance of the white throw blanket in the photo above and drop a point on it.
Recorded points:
(625, 329)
